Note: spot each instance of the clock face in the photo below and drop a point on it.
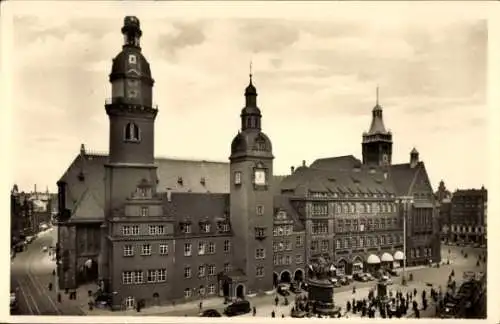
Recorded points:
(260, 177)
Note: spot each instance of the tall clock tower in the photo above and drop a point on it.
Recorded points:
(131, 136)
(377, 142)
(251, 198)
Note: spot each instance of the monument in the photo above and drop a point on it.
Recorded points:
(320, 287)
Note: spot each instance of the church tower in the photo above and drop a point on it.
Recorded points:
(377, 142)
(251, 199)
(130, 171)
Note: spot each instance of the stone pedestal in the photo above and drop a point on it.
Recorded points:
(320, 296)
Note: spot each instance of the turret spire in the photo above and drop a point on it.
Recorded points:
(377, 95)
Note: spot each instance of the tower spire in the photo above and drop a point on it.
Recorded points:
(377, 95)
(250, 72)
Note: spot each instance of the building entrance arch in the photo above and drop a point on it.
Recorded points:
(298, 275)
(240, 291)
(341, 267)
(285, 276)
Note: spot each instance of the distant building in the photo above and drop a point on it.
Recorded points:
(443, 196)
(163, 230)
(468, 216)
(21, 215)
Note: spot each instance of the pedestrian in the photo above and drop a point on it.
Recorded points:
(50, 286)
(254, 310)
(53, 272)
(59, 297)
(201, 305)
(353, 289)
(273, 314)
(282, 315)
(276, 300)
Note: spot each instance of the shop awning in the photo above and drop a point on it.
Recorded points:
(398, 255)
(373, 259)
(387, 257)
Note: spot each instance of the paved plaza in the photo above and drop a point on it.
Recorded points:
(32, 272)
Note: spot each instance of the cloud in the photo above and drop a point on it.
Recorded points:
(316, 84)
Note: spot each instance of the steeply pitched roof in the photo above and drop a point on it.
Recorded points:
(346, 162)
(359, 180)
(283, 202)
(88, 208)
(196, 176)
(196, 207)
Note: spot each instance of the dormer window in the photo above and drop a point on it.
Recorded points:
(132, 133)
(180, 181)
(205, 228)
(186, 228)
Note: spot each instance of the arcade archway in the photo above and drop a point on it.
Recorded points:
(285, 276)
(240, 291)
(298, 275)
(341, 267)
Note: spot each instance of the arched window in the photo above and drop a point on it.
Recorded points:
(132, 132)
(389, 208)
(368, 208)
(382, 207)
(352, 208)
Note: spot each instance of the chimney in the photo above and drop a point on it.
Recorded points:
(292, 169)
(413, 158)
(169, 195)
(82, 149)
(303, 163)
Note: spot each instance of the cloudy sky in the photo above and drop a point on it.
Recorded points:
(316, 78)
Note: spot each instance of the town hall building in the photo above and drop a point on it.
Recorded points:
(163, 230)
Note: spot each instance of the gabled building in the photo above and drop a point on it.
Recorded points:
(162, 230)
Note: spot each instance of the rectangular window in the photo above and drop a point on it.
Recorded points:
(275, 259)
(260, 210)
(152, 276)
(337, 245)
(346, 243)
(260, 253)
(211, 247)
(319, 209)
(276, 246)
(227, 246)
(126, 230)
(128, 250)
(186, 228)
(361, 242)
(288, 245)
(187, 293)
(135, 230)
(299, 241)
(211, 270)
(163, 249)
(187, 272)
(139, 277)
(288, 260)
(153, 230)
(237, 178)
(188, 249)
(211, 289)
(299, 259)
(127, 277)
(206, 228)
(162, 275)
(201, 248)
(324, 245)
(259, 271)
(275, 231)
(227, 267)
(146, 249)
(201, 271)
(144, 211)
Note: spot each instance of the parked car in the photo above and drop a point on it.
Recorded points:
(283, 290)
(298, 314)
(210, 313)
(336, 283)
(360, 277)
(238, 308)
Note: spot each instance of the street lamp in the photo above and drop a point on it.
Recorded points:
(405, 201)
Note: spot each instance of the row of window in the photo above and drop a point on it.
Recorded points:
(189, 292)
(204, 270)
(205, 248)
(129, 249)
(467, 229)
(132, 230)
(349, 195)
(415, 253)
(187, 228)
(287, 259)
(282, 230)
(357, 242)
(321, 209)
(137, 276)
(355, 225)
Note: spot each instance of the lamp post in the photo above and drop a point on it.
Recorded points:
(405, 201)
